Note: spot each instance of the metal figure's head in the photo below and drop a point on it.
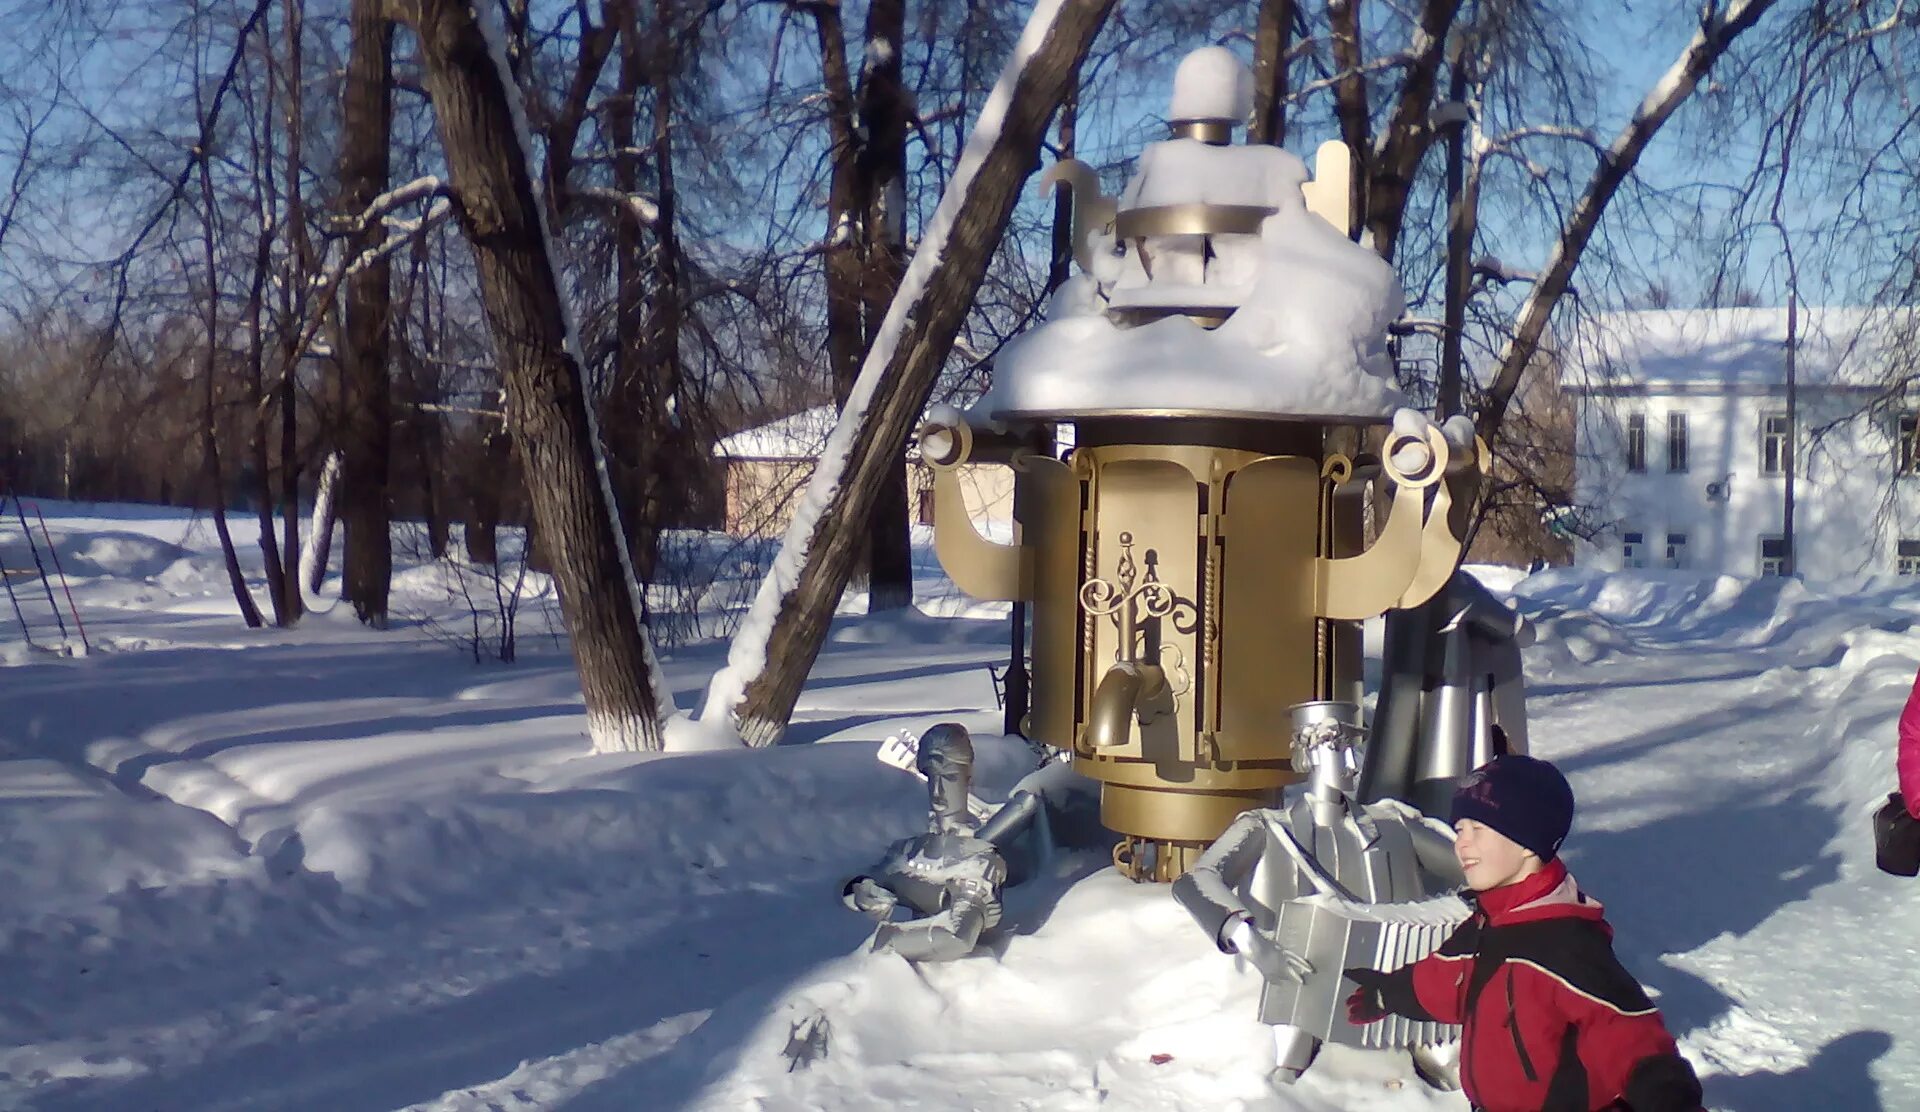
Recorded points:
(945, 758)
(1326, 746)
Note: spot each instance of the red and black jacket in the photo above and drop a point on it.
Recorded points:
(1551, 1021)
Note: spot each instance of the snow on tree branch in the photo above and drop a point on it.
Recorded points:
(1719, 27)
(644, 211)
(419, 189)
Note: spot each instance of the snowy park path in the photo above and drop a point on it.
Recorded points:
(335, 869)
(1725, 752)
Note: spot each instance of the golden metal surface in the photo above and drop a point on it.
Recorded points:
(1176, 589)
(1145, 861)
(1135, 416)
(1439, 456)
(1047, 516)
(1361, 586)
(1146, 520)
(1196, 218)
(1214, 133)
(1128, 693)
(1092, 209)
(1269, 775)
(1330, 194)
(1439, 551)
(1347, 537)
(1170, 815)
(945, 444)
(1268, 538)
(978, 566)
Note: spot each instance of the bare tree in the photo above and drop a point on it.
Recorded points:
(1719, 26)
(547, 405)
(367, 423)
(770, 658)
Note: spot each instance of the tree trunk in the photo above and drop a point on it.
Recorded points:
(259, 423)
(626, 420)
(764, 677)
(483, 505)
(295, 219)
(845, 266)
(547, 405)
(1718, 29)
(1350, 102)
(661, 452)
(326, 506)
(366, 424)
(1272, 43)
(209, 420)
(884, 117)
(1409, 131)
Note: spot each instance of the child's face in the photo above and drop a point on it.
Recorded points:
(1489, 858)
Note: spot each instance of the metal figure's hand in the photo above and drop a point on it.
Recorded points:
(1274, 961)
(864, 894)
(1277, 962)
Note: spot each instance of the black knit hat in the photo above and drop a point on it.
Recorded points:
(1524, 798)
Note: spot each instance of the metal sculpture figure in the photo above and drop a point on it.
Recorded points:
(1324, 884)
(1452, 696)
(952, 876)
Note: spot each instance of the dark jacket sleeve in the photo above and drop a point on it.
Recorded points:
(1435, 986)
(1663, 1083)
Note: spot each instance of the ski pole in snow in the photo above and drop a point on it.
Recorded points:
(15, 599)
(20, 512)
(64, 589)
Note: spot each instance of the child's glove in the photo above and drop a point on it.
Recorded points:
(1368, 1002)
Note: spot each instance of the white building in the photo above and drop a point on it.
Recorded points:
(767, 469)
(1683, 445)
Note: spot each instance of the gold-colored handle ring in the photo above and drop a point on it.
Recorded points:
(1436, 470)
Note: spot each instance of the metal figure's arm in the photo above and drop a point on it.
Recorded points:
(1207, 889)
(1011, 820)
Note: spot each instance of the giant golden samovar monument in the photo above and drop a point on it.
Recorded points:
(1244, 489)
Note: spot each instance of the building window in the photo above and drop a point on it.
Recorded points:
(1909, 440)
(1776, 451)
(1908, 560)
(1633, 550)
(1636, 442)
(1676, 550)
(1676, 442)
(1773, 555)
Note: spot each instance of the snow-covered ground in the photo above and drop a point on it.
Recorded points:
(338, 869)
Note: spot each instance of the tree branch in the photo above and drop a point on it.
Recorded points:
(1718, 29)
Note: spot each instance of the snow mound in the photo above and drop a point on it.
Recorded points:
(73, 838)
(1102, 993)
(93, 555)
(912, 626)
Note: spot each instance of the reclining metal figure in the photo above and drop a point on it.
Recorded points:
(1323, 884)
(952, 876)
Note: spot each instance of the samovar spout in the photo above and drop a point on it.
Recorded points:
(1129, 690)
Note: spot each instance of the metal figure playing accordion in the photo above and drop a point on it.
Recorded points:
(1326, 883)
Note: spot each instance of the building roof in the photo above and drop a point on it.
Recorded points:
(801, 436)
(798, 436)
(1694, 350)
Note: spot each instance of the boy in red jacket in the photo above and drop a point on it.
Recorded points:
(1550, 1020)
